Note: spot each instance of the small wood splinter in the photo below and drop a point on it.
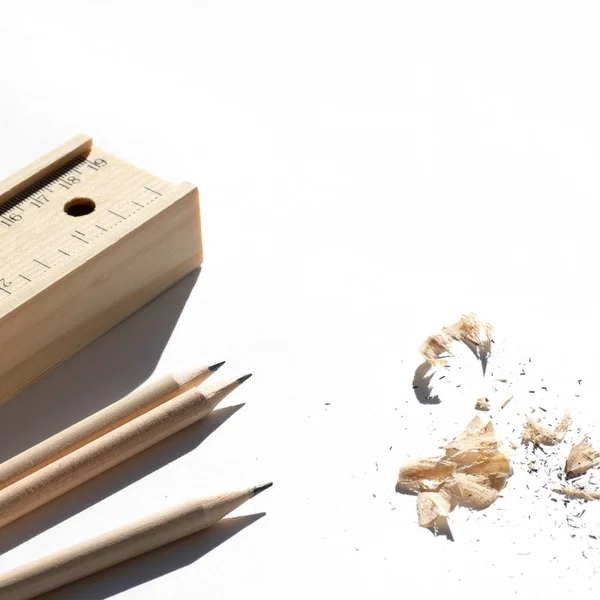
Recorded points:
(581, 458)
(482, 404)
(433, 509)
(539, 435)
(573, 492)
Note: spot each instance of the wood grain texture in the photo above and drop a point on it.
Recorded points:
(118, 545)
(70, 279)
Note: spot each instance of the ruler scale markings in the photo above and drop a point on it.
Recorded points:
(46, 182)
(48, 198)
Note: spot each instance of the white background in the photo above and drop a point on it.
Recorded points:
(368, 171)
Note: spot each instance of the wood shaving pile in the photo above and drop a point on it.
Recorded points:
(471, 474)
(461, 478)
(469, 329)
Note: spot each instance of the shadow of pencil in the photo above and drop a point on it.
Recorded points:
(154, 564)
(112, 481)
(422, 384)
(106, 370)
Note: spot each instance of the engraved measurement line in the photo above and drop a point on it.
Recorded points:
(39, 262)
(112, 212)
(100, 227)
(63, 252)
(80, 239)
(137, 204)
(5, 284)
(153, 191)
(25, 278)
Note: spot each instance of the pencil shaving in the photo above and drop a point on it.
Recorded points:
(539, 435)
(471, 474)
(495, 468)
(582, 457)
(482, 404)
(474, 491)
(573, 492)
(475, 442)
(469, 329)
(433, 509)
(426, 475)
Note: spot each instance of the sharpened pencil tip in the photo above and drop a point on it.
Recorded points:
(216, 366)
(261, 488)
(243, 378)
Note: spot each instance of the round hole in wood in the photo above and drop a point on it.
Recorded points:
(78, 207)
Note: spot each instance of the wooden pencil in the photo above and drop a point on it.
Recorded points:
(118, 445)
(119, 545)
(100, 423)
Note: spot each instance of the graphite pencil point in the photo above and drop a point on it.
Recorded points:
(216, 366)
(261, 488)
(213, 394)
(243, 378)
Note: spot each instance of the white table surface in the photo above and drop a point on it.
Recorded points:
(368, 172)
